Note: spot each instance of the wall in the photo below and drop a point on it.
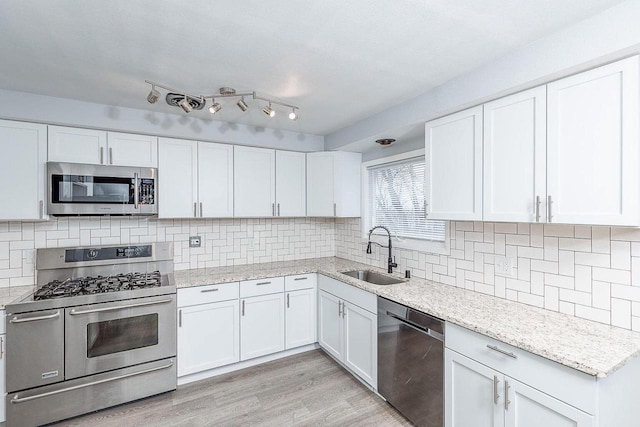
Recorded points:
(225, 242)
(588, 272)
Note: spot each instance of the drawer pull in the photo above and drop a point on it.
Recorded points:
(499, 350)
(263, 283)
(209, 290)
(301, 278)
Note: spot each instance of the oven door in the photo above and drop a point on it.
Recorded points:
(102, 337)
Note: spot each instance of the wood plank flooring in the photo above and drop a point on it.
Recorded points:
(308, 389)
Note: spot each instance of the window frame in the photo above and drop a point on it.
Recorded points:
(421, 245)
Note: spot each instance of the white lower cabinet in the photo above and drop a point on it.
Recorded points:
(3, 375)
(300, 318)
(261, 325)
(348, 327)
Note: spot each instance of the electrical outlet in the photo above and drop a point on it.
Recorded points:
(195, 241)
(504, 266)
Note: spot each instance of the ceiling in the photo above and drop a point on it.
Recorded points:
(340, 61)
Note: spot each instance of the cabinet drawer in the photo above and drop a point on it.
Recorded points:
(207, 294)
(252, 288)
(349, 293)
(563, 383)
(300, 281)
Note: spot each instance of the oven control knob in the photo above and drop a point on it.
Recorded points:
(92, 253)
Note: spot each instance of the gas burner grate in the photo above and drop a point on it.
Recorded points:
(98, 285)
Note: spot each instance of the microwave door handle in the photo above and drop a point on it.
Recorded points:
(136, 185)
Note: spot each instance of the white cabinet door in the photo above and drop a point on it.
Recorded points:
(515, 157)
(473, 393)
(453, 188)
(361, 342)
(330, 325)
(177, 178)
(75, 145)
(22, 170)
(254, 182)
(300, 317)
(126, 149)
(529, 407)
(261, 325)
(208, 336)
(215, 180)
(291, 179)
(321, 172)
(592, 146)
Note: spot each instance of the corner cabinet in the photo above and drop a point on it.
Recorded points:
(333, 184)
(453, 175)
(348, 327)
(592, 146)
(23, 170)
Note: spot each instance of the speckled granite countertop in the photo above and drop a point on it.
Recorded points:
(8, 295)
(593, 348)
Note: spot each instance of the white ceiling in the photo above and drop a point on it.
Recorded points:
(340, 61)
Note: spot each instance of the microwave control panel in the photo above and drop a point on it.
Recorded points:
(147, 192)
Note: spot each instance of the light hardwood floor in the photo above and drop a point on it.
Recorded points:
(302, 390)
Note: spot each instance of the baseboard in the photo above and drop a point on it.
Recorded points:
(245, 364)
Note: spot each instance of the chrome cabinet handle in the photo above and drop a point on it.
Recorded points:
(335, 210)
(344, 309)
(101, 155)
(34, 319)
(1, 347)
(499, 350)
(136, 190)
(200, 209)
(278, 209)
(549, 203)
(506, 395)
(120, 307)
(41, 209)
(243, 307)
(195, 210)
(263, 283)
(301, 278)
(537, 208)
(287, 300)
(179, 318)
(273, 209)
(17, 399)
(426, 205)
(209, 290)
(496, 396)
(339, 308)
(110, 155)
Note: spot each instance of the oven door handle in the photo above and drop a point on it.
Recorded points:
(16, 399)
(120, 307)
(33, 319)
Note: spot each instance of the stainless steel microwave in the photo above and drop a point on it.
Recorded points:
(82, 189)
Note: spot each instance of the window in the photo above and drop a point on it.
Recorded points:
(396, 200)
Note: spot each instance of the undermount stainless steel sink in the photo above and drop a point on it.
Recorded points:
(372, 277)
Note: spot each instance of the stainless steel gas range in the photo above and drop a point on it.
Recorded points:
(99, 330)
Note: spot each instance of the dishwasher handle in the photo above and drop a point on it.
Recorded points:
(412, 325)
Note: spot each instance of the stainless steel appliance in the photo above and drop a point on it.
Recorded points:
(411, 362)
(80, 189)
(99, 330)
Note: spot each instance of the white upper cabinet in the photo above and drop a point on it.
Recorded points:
(291, 189)
(453, 188)
(126, 149)
(254, 182)
(515, 157)
(22, 170)
(177, 178)
(75, 145)
(215, 180)
(333, 184)
(592, 146)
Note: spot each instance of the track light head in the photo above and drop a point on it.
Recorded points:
(293, 115)
(215, 107)
(184, 104)
(153, 96)
(269, 111)
(242, 105)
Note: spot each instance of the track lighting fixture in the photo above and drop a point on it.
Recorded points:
(215, 107)
(153, 96)
(184, 104)
(189, 102)
(242, 105)
(269, 111)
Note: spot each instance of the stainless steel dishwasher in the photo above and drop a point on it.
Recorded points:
(411, 362)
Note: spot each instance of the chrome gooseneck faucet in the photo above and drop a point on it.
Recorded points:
(391, 261)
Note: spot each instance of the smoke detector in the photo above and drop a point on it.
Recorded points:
(385, 142)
